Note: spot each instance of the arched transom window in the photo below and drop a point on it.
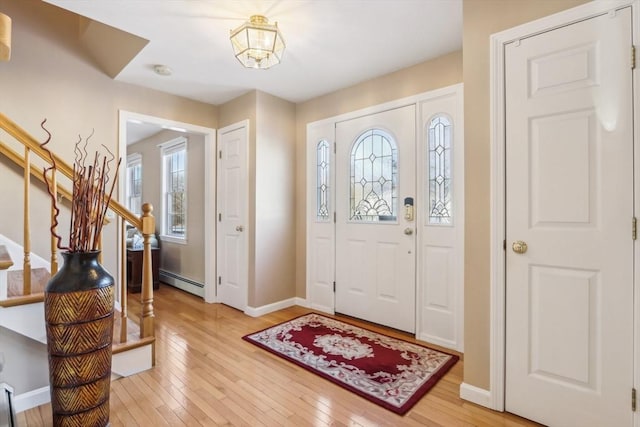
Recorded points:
(440, 189)
(374, 176)
(323, 165)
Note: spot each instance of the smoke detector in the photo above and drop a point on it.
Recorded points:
(162, 70)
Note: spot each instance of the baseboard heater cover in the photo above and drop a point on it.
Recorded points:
(182, 282)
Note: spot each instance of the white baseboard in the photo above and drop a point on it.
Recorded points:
(476, 395)
(451, 345)
(270, 308)
(32, 399)
(302, 302)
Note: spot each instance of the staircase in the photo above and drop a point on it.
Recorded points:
(23, 276)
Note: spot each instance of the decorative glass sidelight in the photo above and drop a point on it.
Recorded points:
(439, 140)
(374, 177)
(323, 164)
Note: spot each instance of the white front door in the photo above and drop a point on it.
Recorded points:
(375, 242)
(569, 198)
(232, 196)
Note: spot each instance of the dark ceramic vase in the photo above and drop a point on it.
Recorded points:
(78, 309)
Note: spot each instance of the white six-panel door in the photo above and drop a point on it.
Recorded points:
(232, 232)
(569, 199)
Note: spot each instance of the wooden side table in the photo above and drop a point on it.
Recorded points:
(134, 269)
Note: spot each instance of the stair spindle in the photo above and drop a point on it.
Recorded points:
(26, 266)
(124, 298)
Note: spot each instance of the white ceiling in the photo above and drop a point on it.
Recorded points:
(331, 44)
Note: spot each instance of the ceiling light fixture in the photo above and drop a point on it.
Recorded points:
(5, 37)
(258, 44)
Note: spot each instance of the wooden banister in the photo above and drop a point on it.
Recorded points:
(145, 223)
(63, 167)
(36, 172)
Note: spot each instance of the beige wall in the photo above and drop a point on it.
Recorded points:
(275, 200)
(186, 260)
(50, 76)
(443, 71)
(481, 19)
(271, 208)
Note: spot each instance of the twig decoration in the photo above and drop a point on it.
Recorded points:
(91, 195)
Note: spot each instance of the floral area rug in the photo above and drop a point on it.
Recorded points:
(388, 371)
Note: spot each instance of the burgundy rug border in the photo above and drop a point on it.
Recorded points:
(398, 410)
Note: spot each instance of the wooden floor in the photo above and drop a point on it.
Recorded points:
(205, 374)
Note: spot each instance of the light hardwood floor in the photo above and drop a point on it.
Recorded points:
(205, 374)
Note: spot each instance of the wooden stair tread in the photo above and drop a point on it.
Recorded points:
(39, 279)
(5, 258)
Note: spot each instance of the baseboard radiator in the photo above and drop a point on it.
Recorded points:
(182, 282)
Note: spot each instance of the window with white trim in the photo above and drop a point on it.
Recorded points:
(134, 183)
(323, 164)
(439, 157)
(174, 189)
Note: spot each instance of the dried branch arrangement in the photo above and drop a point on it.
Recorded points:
(92, 191)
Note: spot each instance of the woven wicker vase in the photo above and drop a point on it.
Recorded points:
(78, 309)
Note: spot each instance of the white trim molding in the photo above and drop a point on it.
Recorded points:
(32, 399)
(494, 398)
(475, 394)
(270, 308)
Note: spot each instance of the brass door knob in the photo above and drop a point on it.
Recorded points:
(239, 228)
(519, 247)
(408, 231)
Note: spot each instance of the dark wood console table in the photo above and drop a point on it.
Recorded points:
(134, 269)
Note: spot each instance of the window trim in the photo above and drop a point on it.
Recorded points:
(133, 160)
(167, 148)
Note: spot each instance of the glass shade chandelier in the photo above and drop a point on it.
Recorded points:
(257, 43)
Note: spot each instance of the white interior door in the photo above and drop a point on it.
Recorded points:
(232, 196)
(569, 197)
(375, 242)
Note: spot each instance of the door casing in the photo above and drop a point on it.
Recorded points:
(494, 397)
(319, 287)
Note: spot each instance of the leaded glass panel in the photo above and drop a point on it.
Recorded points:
(374, 176)
(440, 171)
(323, 161)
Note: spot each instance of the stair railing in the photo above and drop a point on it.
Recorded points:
(144, 223)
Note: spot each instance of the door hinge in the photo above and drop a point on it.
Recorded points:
(219, 280)
(633, 57)
(504, 245)
(634, 228)
(334, 217)
(633, 399)
(219, 217)
(220, 154)
(335, 147)
(334, 286)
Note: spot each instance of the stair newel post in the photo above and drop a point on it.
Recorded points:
(54, 228)
(27, 225)
(148, 229)
(124, 298)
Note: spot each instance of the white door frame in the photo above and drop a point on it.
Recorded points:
(209, 185)
(494, 397)
(326, 128)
